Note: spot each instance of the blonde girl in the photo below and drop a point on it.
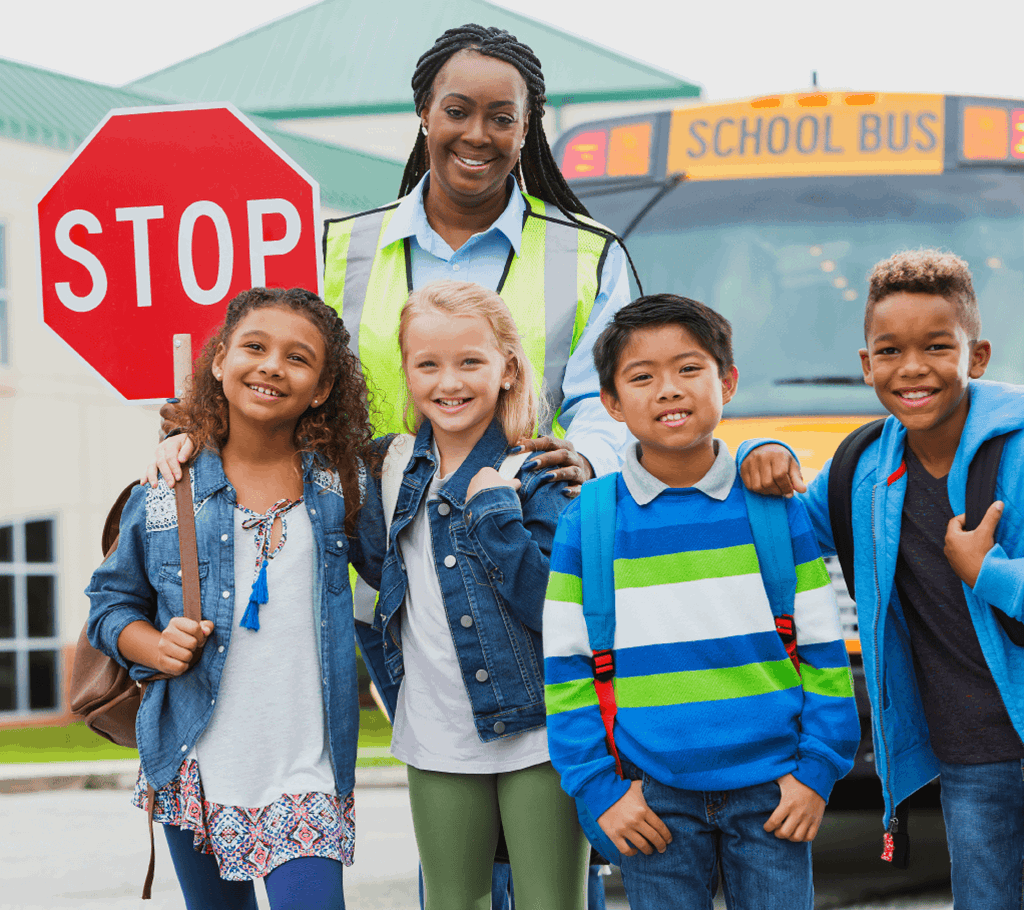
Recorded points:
(455, 644)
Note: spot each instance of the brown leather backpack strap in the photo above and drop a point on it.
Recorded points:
(147, 887)
(189, 550)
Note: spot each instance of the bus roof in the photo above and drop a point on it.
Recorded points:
(799, 135)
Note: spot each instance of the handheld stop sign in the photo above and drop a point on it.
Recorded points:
(160, 218)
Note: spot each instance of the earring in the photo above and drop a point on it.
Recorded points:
(522, 144)
(217, 376)
(507, 386)
(423, 130)
(315, 402)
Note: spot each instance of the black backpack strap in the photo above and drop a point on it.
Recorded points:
(840, 493)
(981, 493)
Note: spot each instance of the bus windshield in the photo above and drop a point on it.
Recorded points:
(786, 261)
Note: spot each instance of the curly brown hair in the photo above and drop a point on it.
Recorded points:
(926, 272)
(338, 431)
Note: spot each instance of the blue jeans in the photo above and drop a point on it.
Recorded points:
(983, 807)
(715, 829)
(308, 883)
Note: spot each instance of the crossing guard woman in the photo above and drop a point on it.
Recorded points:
(482, 200)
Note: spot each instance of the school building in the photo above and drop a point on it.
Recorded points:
(330, 86)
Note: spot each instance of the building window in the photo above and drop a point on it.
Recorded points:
(5, 310)
(29, 634)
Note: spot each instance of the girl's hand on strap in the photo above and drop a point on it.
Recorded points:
(170, 455)
(486, 478)
(171, 651)
(181, 643)
(560, 458)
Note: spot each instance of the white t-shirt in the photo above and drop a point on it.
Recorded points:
(267, 735)
(434, 728)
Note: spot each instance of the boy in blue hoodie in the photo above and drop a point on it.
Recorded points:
(946, 683)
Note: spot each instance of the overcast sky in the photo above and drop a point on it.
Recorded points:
(733, 48)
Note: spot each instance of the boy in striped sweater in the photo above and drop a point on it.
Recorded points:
(729, 753)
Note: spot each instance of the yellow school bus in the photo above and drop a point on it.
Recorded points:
(773, 210)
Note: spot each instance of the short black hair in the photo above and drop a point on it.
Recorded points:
(711, 329)
(925, 272)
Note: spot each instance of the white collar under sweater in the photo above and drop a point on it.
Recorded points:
(644, 487)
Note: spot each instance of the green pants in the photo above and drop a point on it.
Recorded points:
(456, 819)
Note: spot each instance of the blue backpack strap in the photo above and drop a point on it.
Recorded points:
(769, 524)
(597, 507)
(773, 542)
(597, 547)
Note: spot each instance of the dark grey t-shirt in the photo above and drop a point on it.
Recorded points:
(966, 717)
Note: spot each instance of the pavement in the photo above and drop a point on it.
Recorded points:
(114, 774)
(70, 839)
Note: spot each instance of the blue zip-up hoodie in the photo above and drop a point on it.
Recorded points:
(904, 758)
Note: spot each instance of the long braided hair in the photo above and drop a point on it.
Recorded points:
(540, 173)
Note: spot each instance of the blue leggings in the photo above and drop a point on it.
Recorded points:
(309, 883)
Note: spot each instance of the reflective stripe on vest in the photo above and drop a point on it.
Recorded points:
(558, 266)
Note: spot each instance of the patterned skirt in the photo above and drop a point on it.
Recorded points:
(251, 843)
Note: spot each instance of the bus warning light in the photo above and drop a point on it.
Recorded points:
(986, 133)
(585, 156)
(1017, 133)
(629, 151)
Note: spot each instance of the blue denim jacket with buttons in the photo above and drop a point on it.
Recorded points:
(141, 579)
(491, 555)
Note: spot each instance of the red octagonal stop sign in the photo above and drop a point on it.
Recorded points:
(162, 216)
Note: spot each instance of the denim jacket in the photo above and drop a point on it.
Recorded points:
(141, 579)
(491, 555)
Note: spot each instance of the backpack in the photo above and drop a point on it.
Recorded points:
(981, 493)
(102, 692)
(773, 543)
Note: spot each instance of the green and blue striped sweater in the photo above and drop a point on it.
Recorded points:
(707, 697)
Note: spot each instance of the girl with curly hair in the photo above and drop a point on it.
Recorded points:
(248, 730)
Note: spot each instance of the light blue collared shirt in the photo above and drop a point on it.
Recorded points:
(602, 440)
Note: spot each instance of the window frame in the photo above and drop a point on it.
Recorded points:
(21, 644)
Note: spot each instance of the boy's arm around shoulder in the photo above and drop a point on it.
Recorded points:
(576, 734)
(829, 725)
(120, 591)
(512, 532)
(765, 469)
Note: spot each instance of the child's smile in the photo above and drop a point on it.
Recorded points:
(669, 394)
(919, 361)
(455, 372)
(271, 368)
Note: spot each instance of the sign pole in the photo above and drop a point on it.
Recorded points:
(182, 364)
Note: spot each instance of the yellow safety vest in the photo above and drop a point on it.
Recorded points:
(549, 287)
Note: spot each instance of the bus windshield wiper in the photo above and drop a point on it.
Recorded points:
(821, 380)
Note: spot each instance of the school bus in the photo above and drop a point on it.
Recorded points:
(772, 210)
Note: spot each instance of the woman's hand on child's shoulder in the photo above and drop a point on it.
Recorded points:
(180, 643)
(560, 458)
(486, 478)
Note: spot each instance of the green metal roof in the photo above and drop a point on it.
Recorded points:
(47, 108)
(352, 57)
